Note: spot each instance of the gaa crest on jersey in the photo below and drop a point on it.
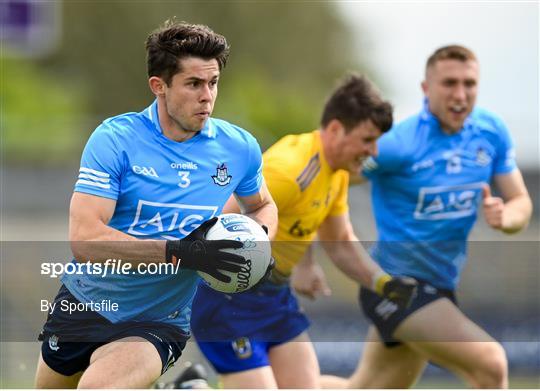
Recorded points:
(242, 348)
(222, 177)
(145, 171)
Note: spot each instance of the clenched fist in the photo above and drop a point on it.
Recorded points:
(493, 208)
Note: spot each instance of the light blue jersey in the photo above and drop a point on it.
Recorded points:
(163, 190)
(426, 190)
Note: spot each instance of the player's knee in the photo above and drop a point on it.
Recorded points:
(498, 369)
(98, 382)
(493, 371)
(93, 383)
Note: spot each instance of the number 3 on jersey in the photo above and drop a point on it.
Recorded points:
(184, 179)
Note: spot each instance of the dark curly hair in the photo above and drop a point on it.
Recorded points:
(173, 41)
(356, 100)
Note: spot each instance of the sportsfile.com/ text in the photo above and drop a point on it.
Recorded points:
(108, 267)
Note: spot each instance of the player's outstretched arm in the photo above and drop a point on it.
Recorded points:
(346, 252)
(93, 240)
(512, 212)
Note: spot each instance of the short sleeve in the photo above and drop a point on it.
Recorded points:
(252, 181)
(505, 160)
(389, 158)
(341, 205)
(101, 167)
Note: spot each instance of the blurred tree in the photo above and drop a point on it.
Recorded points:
(41, 115)
(285, 58)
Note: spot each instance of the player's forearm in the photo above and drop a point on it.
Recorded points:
(232, 206)
(354, 261)
(308, 259)
(266, 214)
(103, 242)
(516, 214)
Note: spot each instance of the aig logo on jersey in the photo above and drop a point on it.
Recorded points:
(447, 202)
(168, 220)
(242, 348)
(146, 171)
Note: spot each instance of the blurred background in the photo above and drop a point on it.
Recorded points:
(65, 66)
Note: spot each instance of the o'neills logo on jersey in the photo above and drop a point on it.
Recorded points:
(185, 166)
(222, 177)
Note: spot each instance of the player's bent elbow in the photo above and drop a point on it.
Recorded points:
(79, 250)
(519, 219)
(81, 245)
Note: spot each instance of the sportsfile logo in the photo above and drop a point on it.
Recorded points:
(146, 171)
(447, 202)
(154, 218)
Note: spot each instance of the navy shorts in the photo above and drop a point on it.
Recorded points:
(386, 316)
(70, 339)
(236, 331)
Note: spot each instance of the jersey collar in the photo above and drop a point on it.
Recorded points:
(151, 112)
(427, 116)
(319, 147)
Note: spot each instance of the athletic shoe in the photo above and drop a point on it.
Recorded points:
(193, 376)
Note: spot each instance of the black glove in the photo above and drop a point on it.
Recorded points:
(196, 253)
(400, 290)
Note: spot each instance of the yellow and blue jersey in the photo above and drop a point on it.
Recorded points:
(306, 191)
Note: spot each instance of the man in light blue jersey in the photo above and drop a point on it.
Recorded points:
(150, 186)
(429, 180)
